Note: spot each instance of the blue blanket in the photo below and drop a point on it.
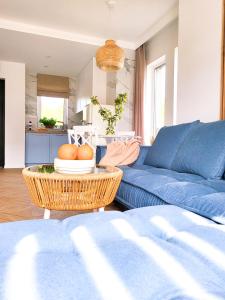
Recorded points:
(189, 191)
(160, 252)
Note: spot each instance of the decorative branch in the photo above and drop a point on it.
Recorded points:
(107, 115)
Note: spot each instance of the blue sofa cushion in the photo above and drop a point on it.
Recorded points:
(203, 151)
(132, 196)
(167, 143)
(196, 197)
(189, 191)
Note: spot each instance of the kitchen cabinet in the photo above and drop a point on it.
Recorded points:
(56, 140)
(42, 148)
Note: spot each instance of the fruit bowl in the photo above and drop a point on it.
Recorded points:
(73, 166)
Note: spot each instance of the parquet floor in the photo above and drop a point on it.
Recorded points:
(15, 202)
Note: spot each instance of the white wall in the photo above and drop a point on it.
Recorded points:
(14, 75)
(199, 60)
(164, 43)
(84, 88)
(99, 83)
(125, 84)
(91, 82)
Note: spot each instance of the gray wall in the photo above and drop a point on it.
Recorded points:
(199, 64)
(164, 43)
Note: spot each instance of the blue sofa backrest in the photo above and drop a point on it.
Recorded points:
(167, 143)
(197, 148)
(203, 151)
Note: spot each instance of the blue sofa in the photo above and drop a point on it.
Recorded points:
(183, 167)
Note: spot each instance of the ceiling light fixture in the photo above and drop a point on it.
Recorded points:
(110, 57)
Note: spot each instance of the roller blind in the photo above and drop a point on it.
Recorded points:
(52, 86)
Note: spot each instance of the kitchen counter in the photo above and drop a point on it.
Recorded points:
(48, 131)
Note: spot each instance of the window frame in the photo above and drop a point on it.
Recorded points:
(175, 85)
(149, 104)
(65, 109)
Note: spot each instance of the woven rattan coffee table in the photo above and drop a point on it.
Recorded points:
(54, 191)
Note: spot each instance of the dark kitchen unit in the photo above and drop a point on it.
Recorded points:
(2, 123)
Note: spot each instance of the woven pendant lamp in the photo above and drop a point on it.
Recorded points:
(110, 57)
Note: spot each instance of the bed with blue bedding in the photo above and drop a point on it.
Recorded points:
(159, 252)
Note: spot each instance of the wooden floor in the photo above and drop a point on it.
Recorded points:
(15, 202)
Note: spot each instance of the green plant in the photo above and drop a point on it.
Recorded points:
(49, 123)
(46, 169)
(107, 115)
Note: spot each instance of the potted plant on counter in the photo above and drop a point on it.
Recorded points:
(48, 123)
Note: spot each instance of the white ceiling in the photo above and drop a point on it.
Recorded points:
(130, 18)
(70, 30)
(43, 54)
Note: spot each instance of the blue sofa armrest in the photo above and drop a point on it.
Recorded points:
(142, 155)
(101, 150)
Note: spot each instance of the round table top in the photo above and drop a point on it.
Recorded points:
(48, 171)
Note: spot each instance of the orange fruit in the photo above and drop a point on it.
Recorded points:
(67, 151)
(85, 152)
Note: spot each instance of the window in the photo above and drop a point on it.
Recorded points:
(159, 97)
(175, 86)
(155, 98)
(56, 108)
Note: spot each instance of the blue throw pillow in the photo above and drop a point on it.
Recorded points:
(203, 151)
(166, 145)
